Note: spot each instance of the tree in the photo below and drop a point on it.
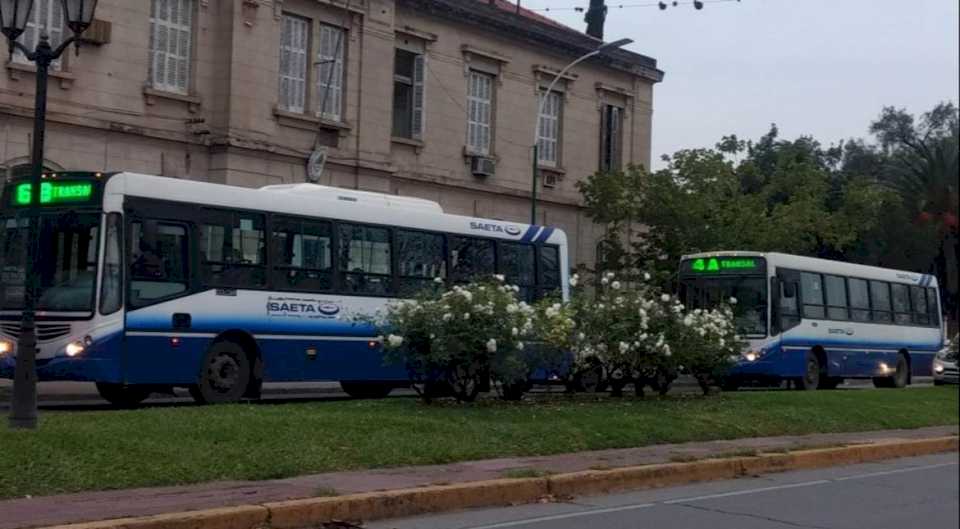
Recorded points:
(922, 169)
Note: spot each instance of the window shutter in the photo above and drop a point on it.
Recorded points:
(616, 141)
(604, 144)
(171, 27)
(330, 81)
(417, 120)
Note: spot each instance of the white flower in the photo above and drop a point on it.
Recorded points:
(394, 340)
(646, 276)
(624, 347)
(688, 320)
(520, 346)
(447, 317)
(667, 351)
(466, 315)
(615, 285)
(438, 280)
(581, 337)
(604, 281)
(665, 297)
(574, 280)
(515, 331)
(433, 336)
(515, 288)
(512, 308)
(491, 346)
(733, 300)
(610, 275)
(500, 277)
(467, 295)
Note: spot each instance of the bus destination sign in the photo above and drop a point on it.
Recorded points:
(724, 265)
(54, 193)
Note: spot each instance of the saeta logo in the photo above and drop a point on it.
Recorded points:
(512, 230)
(509, 229)
(329, 309)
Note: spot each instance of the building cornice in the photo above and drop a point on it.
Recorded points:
(553, 38)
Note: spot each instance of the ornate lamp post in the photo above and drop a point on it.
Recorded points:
(14, 15)
(536, 128)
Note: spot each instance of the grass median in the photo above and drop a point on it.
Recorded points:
(78, 451)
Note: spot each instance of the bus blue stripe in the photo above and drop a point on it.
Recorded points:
(544, 235)
(531, 232)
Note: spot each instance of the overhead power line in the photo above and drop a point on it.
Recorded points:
(662, 5)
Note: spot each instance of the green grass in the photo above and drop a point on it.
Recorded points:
(76, 451)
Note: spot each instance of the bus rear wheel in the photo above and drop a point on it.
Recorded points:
(225, 375)
(123, 395)
(366, 390)
(900, 377)
(811, 375)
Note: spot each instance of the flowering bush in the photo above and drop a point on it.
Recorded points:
(462, 337)
(631, 331)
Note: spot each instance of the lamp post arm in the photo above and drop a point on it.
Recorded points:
(62, 47)
(543, 100)
(15, 45)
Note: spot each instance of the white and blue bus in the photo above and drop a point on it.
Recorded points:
(817, 322)
(150, 283)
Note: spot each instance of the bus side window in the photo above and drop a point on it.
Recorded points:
(918, 296)
(111, 291)
(302, 254)
(516, 263)
(880, 301)
(836, 291)
(365, 260)
(158, 262)
(549, 271)
(812, 291)
(933, 308)
(901, 303)
(471, 258)
(788, 308)
(419, 261)
(859, 299)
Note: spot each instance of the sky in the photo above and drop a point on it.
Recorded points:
(823, 68)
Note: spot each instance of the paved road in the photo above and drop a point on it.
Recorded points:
(83, 395)
(916, 492)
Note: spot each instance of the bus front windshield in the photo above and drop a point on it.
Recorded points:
(66, 265)
(750, 292)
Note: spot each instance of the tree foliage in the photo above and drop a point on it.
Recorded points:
(890, 203)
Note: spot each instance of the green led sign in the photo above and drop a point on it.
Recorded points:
(723, 264)
(52, 193)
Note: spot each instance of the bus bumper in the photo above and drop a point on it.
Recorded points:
(67, 369)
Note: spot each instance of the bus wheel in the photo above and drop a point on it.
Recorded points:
(225, 375)
(811, 376)
(899, 378)
(366, 390)
(122, 395)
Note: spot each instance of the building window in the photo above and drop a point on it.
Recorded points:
(479, 112)
(611, 138)
(548, 129)
(47, 16)
(294, 46)
(171, 41)
(330, 55)
(408, 94)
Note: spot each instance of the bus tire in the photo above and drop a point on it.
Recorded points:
(123, 395)
(812, 375)
(224, 376)
(900, 377)
(366, 390)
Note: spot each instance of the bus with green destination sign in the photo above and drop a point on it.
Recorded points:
(818, 322)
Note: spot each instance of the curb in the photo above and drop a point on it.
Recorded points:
(311, 512)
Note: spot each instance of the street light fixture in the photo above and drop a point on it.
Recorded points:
(14, 15)
(536, 128)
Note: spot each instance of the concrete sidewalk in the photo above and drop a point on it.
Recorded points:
(73, 508)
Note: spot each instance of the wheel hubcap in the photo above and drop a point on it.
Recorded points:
(224, 373)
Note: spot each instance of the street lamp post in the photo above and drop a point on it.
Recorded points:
(14, 15)
(543, 99)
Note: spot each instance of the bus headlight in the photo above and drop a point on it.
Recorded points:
(937, 366)
(6, 347)
(75, 348)
(751, 356)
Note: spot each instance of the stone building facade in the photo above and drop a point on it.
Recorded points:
(429, 98)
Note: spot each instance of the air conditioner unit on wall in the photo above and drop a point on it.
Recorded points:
(482, 166)
(549, 179)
